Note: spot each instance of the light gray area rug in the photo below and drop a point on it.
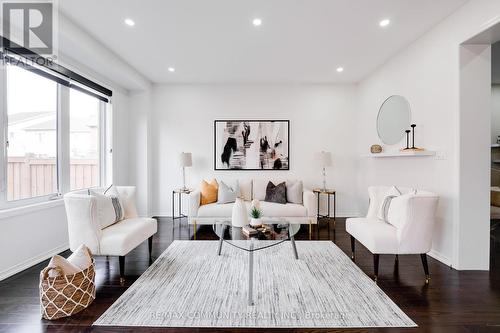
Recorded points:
(190, 286)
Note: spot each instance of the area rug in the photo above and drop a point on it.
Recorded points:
(190, 286)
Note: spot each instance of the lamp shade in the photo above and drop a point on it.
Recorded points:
(324, 158)
(185, 159)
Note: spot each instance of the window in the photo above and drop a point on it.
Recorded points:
(32, 127)
(55, 135)
(84, 138)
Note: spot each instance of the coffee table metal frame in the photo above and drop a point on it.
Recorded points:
(251, 249)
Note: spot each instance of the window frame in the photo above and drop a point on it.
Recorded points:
(63, 143)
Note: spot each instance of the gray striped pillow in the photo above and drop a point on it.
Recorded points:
(118, 207)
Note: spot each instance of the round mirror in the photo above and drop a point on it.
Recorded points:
(393, 119)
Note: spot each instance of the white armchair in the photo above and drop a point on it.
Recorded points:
(117, 239)
(408, 229)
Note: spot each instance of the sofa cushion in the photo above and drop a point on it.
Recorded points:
(124, 236)
(271, 209)
(377, 236)
(245, 187)
(208, 192)
(216, 210)
(294, 191)
(276, 193)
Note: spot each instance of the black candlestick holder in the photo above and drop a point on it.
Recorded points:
(413, 135)
(407, 139)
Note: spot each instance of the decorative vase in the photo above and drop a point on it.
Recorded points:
(256, 222)
(376, 149)
(239, 216)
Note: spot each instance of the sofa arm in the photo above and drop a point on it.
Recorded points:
(194, 203)
(83, 223)
(310, 202)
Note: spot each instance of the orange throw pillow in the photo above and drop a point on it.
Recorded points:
(208, 192)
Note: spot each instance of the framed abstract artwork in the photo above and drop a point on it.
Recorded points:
(251, 144)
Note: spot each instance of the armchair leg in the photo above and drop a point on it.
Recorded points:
(150, 246)
(122, 269)
(423, 256)
(375, 266)
(353, 245)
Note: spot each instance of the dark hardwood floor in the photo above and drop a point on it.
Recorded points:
(452, 302)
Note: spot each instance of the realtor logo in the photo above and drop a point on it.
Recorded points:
(28, 25)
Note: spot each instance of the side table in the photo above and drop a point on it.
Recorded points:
(179, 192)
(328, 193)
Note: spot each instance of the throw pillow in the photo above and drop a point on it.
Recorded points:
(66, 267)
(386, 202)
(398, 210)
(127, 199)
(294, 191)
(208, 192)
(245, 190)
(276, 193)
(106, 213)
(81, 258)
(104, 206)
(226, 193)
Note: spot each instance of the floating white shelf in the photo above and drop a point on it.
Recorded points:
(403, 154)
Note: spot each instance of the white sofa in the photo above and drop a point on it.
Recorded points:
(115, 240)
(409, 228)
(250, 189)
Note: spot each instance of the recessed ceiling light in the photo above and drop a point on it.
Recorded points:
(129, 22)
(384, 22)
(257, 22)
(340, 69)
(171, 69)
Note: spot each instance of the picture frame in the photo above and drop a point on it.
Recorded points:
(252, 145)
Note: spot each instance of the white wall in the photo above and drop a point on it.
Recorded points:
(139, 149)
(473, 234)
(322, 117)
(427, 72)
(31, 236)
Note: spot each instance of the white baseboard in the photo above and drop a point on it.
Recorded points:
(32, 261)
(440, 257)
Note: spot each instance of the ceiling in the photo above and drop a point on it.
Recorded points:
(214, 41)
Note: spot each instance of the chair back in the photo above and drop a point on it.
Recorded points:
(83, 222)
(413, 214)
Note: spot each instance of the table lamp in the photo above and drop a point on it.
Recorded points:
(325, 160)
(185, 160)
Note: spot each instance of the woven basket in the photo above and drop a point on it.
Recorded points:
(65, 295)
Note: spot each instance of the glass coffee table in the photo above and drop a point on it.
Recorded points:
(272, 233)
